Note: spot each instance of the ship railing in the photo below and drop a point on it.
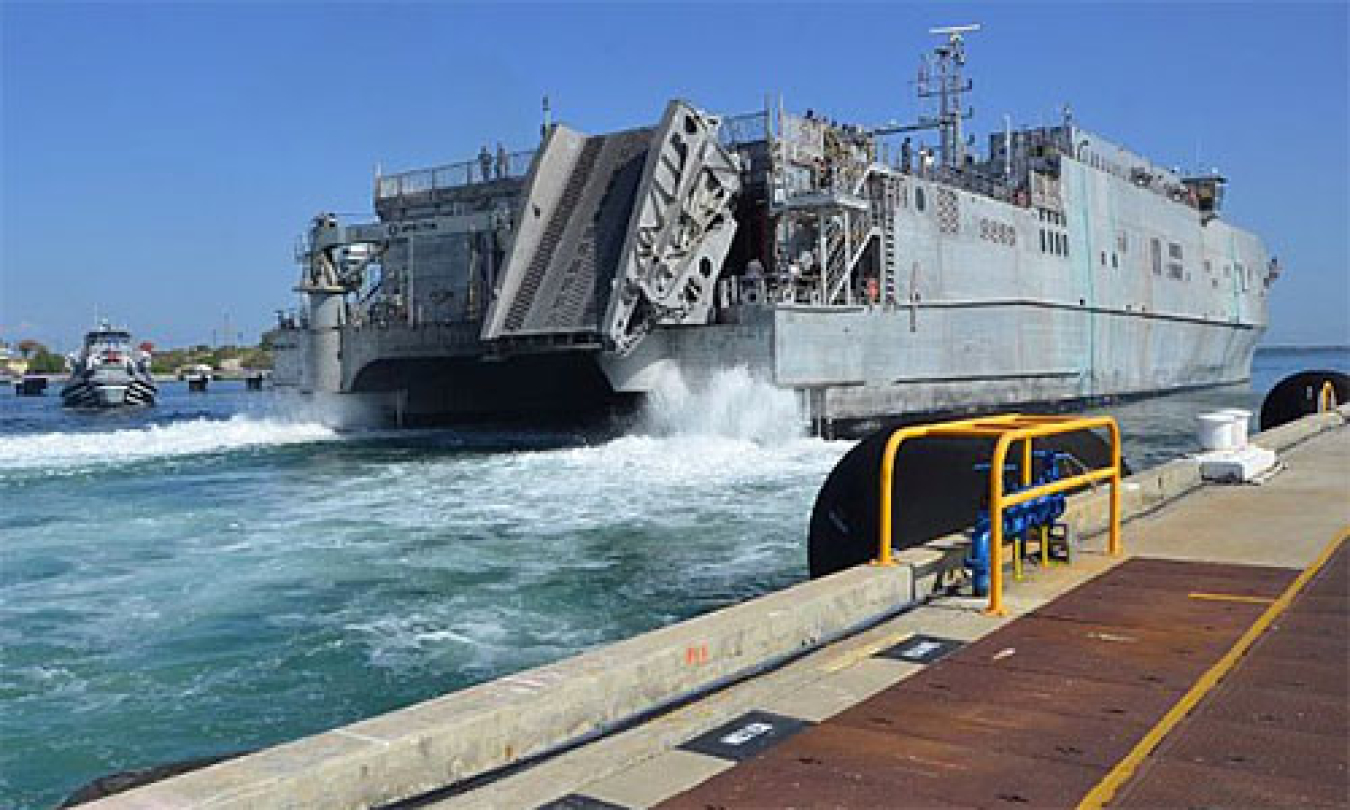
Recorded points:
(972, 181)
(454, 175)
(1007, 430)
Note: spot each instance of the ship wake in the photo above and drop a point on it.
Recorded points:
(68, 451)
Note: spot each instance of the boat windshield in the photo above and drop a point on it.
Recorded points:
(107, 341)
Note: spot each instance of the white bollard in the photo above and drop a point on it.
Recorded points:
(1241, 425)
(1216, 431)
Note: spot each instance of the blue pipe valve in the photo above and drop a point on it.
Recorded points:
(1019, 519)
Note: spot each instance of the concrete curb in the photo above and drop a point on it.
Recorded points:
(441, 741)
(438, 742)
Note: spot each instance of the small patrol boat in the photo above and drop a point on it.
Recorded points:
(108, 373)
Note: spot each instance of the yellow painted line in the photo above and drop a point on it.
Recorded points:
(1232, 597)
(1106, 789)
(853, 657)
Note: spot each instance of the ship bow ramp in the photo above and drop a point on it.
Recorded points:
(617, 233)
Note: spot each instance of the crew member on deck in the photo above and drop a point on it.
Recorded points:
(485, 163)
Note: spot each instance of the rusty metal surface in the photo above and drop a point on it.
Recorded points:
(1258, 581)
(1128, 656)
(1294, 648)
(1275, 732)
(1274, 709)
(886, 770)
(1058, 694)
(1154, 607)
(1037, 712)
(1007, 729)
(1314, 628)
(773, 783)
(1263, 672)
(1184, 785)
(1313, 605)
(1233, 747)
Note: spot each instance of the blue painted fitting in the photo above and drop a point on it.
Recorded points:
(978, 560)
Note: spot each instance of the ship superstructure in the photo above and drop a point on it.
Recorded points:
(870, 274)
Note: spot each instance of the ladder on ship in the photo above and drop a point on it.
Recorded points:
(885, 201)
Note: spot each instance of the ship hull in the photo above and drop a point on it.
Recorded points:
(95, 392)
(847, 366)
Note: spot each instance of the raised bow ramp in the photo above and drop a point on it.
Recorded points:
(617, 232)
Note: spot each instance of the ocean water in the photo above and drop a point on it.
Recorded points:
(225, 572)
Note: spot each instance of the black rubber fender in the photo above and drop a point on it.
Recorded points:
(1298, 395)
(114, 784)
(937, 491)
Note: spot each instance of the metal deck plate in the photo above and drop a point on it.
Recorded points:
(745, 736)
(1182, 784)
(1008, 729)
(1040, 710)
(921, 649)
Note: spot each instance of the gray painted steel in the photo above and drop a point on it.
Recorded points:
(829, 259)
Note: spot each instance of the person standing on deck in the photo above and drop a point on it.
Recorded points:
(485, 163)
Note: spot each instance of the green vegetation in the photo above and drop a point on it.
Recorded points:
(44, 362)
(163, 361)
(168, 361)
(39, 359)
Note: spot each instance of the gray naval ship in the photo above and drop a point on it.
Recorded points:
(869, 274)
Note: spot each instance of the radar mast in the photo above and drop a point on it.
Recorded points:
(940, 77)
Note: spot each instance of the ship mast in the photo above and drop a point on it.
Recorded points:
(940, 77)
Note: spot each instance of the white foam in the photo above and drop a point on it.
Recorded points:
(79, 450)
(732, 403)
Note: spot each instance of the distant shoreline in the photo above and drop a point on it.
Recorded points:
(1345, 348)
(216, 376)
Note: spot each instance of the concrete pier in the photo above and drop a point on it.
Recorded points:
(628, 724)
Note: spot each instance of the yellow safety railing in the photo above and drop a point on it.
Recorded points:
(1007, 429)
(1326, 398)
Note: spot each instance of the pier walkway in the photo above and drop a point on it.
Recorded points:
(1052, 709)
(1209, 668)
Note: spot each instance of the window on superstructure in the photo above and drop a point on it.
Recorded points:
(1175, 268)
(1155, 248)
(918, 199)
(1042, 240)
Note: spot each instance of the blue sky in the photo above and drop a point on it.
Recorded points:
(159, 160)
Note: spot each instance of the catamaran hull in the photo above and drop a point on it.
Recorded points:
(88, 394)
(846, 366)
